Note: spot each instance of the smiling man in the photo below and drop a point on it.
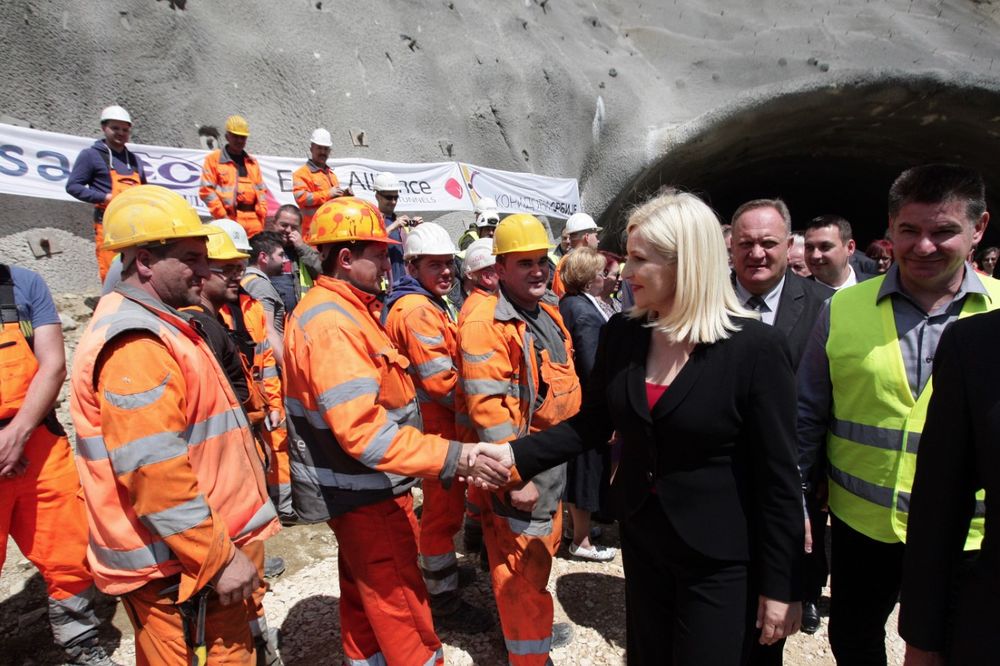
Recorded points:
(864, 388)
(829, 246)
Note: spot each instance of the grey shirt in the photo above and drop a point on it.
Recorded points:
(262, 290)
(919, 333)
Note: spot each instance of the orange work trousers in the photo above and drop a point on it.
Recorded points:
(440, 520)
(279, 472)
(43, 511)
(159, 628)
(104, 257)
(520, 567)
(384, 613)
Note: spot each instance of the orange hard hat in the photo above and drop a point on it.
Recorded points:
(347, 219)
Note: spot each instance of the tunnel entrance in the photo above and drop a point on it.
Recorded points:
(834, 148)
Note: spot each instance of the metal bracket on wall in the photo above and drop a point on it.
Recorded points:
(359, 138)
(42, 245)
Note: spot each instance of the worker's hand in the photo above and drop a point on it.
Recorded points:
(293, 236)
(917, 657)
(107, 198)
(274, 418)
(12, 460)
(485, 466)
(237, 580)
(525, 498)
(809, 535)
(777, 619)
(337, 192)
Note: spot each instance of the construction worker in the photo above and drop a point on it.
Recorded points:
(314, 183)
(581, 231)
(176, 497)
(864, 385)
(355, 412)
(39, 487)
(103, 171)
(517, 377)
(302, 265)
(231, 183)
(479, 279)
(386, 186)
(421, 324)
(484, 223)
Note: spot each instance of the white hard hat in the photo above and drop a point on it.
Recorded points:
(478, 256)
(578, 222)
(488, 218)
(236, 232)
(115, 112)
(386, 182)
(428, 238)
(484, 204)
(321, 137)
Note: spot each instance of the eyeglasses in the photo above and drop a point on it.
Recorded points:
(390, 197)
(229, 272)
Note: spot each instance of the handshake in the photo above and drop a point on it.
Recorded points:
(486, 465)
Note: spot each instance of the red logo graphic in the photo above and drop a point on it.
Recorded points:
(454, 188)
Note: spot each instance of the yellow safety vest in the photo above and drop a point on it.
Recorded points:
(876, 423)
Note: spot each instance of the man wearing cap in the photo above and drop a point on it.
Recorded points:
(582, 231)
(386, 188)
(176, 497)
(231, 183)
(103, 171)
(484, 223)
(315, 183)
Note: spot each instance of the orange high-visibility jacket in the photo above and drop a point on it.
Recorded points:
(263, 364)
(428, 337)
(169, 468)
(558, 288)
(353, 406)
(311, 185)
(221, 189)
(470, 302)
(500, 376)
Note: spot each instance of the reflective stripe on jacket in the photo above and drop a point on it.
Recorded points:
(500, 376)
(876, 423)
(311, 187)
(221, 187)
(354, 407)
(428, 338)
(171, 475)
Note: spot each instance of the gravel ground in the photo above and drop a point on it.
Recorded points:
(303, 601)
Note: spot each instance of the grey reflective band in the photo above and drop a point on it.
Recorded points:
(214, 426)
(177, 518)
(322, 476)
(144, 557)
(377, 659)
(429, 340)
(347, 391)
(524, 647)
(137, 400)
(408, 414)
(296, 408)
(91, 448)
(317, 310)
(866, 490)
(434, 366)
(265, 514)
(147, 451)
(438, 562)
(875, 436)
(379, 444)
(488, 387)
(269, 372)
(497, 433)
(73, 617)
(477, 358)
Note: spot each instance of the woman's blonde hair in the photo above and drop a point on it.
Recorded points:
(580, 267)
(686, 232)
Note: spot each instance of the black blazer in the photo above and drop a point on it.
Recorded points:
(959, 453)
(798, 307)
(719, 447)
(584, 323)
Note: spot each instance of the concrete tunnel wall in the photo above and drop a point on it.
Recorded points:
(831, 148)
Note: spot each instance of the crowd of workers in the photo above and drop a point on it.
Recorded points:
(317, 364)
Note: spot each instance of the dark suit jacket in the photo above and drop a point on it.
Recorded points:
(584, 323)
(798, 307)
(718, 447)
(959, 453)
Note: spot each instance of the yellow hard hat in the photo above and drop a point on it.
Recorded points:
(221, 246)
(347, 219)
(520, 232)
(147, 214)
(238, 125)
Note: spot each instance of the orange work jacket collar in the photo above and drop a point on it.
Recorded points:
(316, 168)
(361, 300)
(173, 317)
(225, 158)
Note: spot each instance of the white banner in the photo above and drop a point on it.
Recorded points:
(523, 192)
(35, 163)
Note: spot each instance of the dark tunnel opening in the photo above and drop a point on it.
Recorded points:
(830, 149)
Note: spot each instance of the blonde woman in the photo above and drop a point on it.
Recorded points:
(708, 493)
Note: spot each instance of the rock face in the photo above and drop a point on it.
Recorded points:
(820, 102)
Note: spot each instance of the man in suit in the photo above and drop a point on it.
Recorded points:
(864, 389)
(761, 243)
(829, 245)
(957, 450)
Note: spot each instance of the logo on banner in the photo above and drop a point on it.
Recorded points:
(522, 202)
